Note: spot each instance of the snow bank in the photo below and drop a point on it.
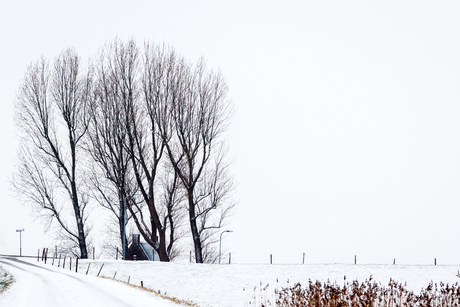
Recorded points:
(239, 284)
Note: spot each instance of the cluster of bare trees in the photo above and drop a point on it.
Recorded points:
(140, 130)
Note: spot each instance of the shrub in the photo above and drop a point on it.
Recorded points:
(5, 280)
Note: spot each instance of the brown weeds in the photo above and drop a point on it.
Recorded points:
(367, 294)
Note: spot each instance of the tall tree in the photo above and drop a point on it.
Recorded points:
(200, 113)
(51, 111)
(111, 179)
(160, 220)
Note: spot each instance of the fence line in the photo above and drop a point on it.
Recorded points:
(303, 258)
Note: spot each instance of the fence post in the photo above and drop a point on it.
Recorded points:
(142, 284)
(394, 261)
(434, 261)
(229, 258)
(76, 266)
(38, 255)
(116, 256)
(46, 254)
(59, 263)
(70, 258)
(355, 259)
(88, 268)
(271, 259)
(303, 260)
(54, 256)
(93, 252)
(63, 264)
(100, 269)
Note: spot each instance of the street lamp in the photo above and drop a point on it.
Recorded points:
(220, 243)
(124, 225)
(20, 240)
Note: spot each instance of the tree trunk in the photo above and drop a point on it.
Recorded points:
(81, 238)
(194, 229)
(156, 226)
(80, 224)
(162, 247)
(121, 221)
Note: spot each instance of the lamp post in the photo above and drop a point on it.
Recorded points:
(20, 240)
(220, 241)
(124, 225)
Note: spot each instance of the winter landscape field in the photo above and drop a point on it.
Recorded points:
(210, 285)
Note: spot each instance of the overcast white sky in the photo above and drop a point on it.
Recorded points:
(346, 135)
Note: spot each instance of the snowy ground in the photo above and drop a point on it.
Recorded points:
(46, 286)
(237, 284)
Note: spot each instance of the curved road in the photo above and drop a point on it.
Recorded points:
(42, 286)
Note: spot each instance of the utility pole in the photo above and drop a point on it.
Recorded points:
(20, 240)
(220, 244)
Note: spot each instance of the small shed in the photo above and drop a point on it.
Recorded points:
(140, 251)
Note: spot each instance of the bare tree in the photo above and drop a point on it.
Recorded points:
(200, 113)
(158, 220)
(51, 112)
(112, 181)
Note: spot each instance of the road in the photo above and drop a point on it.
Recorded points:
(38, 285)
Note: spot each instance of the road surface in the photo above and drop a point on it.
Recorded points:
(39, 285)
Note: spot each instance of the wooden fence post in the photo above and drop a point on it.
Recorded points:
(271, 259)
(76, 266)
(70, 269)
(46, 254)
(434, 261)
(142, 284)
(63, 263)
(355, 259)
(100, 269)
(59, 263)
(229, 258)
(303, 260)
(116, 256)
(94, 251)
(38, 256)
(88, 268)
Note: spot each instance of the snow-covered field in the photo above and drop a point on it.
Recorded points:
(240, 284)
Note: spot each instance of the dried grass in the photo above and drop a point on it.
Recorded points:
(158, 293)
(368, 294)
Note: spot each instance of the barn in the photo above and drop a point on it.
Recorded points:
(140, 251)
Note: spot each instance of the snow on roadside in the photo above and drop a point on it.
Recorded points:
(239, 284)
(46, 286)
